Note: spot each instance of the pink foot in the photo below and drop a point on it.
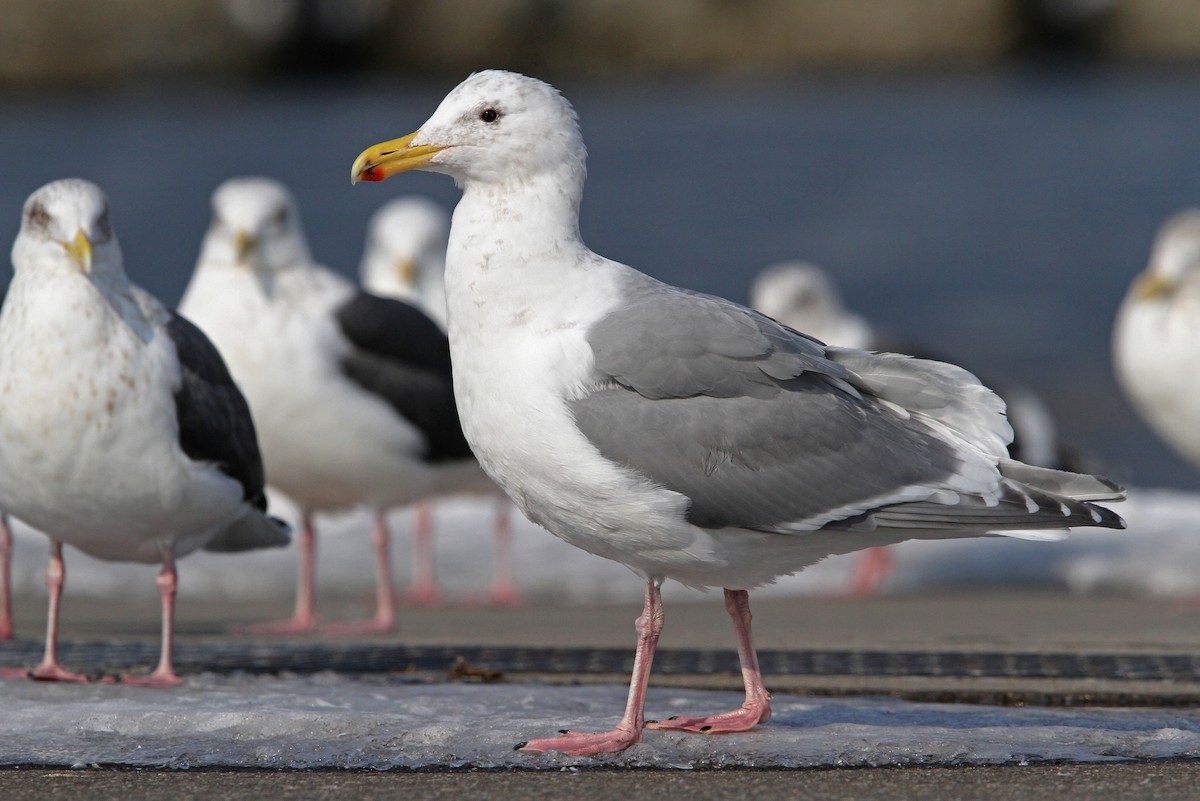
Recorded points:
(422, 595)
(14, 673)
(158, 678)
(56, 672)
(373, 626)
(744, 718)
(297, 624)
(574, 743)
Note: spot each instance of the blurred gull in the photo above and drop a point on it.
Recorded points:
(680, 434)
(802, 296)
(1156, 340)
(351, 392)
(405, 258)
(121, 432)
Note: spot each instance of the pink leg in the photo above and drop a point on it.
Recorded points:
(423, 591)
(871, 567)
(56, 576)
(757, 708)
(385, 597)
(164, 675)
(629, 729)
(6, 621)
(504, 589)
(304, 618)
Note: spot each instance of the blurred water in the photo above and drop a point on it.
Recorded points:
(996, 217)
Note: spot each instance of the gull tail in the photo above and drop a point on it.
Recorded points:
(250, 532)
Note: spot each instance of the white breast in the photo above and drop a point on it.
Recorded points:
(89, 448)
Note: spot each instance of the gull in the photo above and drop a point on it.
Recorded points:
(121, 432)
(405, 258)
(351, 392)
(1156, 339)
(803, 296)
(677, 433)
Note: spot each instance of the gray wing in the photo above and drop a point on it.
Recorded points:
(761, 427)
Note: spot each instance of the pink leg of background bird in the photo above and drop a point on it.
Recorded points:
(423, 590)
(6, 546)
(757, 708)
(164, 675)
(871, 567)
(304, 618)
(385, 596)
(56, 576)
(504, 590)
(629, 730)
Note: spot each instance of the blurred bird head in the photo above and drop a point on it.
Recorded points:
(406, 243)
(1175, 259)
(255, 225)
(65, 226)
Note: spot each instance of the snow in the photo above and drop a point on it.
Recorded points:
(333, 721)
(1157, 556)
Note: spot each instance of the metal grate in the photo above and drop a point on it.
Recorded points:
(379, 658)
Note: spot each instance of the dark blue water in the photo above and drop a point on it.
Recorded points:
(996, 217)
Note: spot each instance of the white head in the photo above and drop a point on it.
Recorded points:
(494, 128)
(255, 224)
(1175, 259)
(65, 226)
(406, 247)
(802, 296)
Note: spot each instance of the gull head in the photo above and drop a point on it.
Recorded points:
(255, 225)
(1174, 260)
(795, 290)
(494, 128)
(65, 225)
(406, 239)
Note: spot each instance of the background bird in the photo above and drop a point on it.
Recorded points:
(1156, 339)
(351, 392)
(679, 434)
(405, 258)
(121, 432)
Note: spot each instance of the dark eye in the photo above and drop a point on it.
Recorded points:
(37, 216)
(103, 223)
(489, 115)
(280, 217)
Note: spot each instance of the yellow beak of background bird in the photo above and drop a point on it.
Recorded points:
(80, 251)
(385, 159)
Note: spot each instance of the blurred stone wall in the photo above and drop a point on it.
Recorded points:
(82, 41)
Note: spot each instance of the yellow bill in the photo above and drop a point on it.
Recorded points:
(381, 161)
(80, 251)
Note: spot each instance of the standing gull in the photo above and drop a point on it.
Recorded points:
(351, 392)
(121, 432)
(682, 435)
(405, 258)
(1156, 340)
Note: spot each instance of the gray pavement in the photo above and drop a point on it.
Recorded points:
(1016, 621)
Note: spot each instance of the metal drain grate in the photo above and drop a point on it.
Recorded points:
(376, 658)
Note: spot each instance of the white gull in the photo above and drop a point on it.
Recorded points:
(682, 435)
(121, 432)
(351, 392)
